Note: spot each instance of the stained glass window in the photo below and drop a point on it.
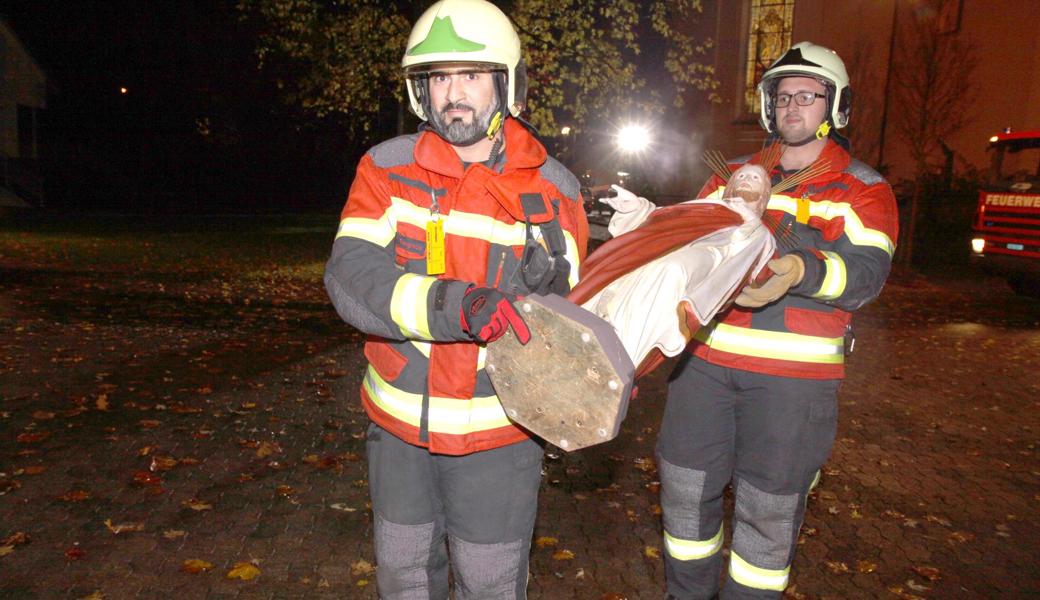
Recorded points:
(769, 34)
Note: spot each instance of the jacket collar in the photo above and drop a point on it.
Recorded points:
(522, 151)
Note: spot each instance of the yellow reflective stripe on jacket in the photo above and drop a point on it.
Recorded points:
(858, 233)
(482, 227)
(772, 344)
(692, 549)
(408, 305)
(446, 415)
(757, 578)
(378, 231)
(835, 277)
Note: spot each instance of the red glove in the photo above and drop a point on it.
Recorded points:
(487, 313)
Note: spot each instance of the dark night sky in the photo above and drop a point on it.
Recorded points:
(183, 63)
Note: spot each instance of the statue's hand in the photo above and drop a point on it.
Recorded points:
(625, 201)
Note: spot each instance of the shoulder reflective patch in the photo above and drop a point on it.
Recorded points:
(857, 233)
(378, 231)
(864, 173)
(394, 152)
(555, 173)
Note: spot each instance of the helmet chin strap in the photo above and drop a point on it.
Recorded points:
(821, 132)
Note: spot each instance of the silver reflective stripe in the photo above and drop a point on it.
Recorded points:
(484, 571)
(681, 549)
(757, 578)
(402, 554)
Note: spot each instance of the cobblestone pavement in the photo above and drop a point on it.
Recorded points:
(141, 430)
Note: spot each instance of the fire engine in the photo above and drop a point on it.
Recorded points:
(1006, 238)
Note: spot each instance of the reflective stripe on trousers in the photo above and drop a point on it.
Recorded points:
(768, 437)
(482, 504)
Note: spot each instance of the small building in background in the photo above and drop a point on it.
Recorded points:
(23, 97)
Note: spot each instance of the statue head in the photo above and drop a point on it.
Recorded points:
(748, 187)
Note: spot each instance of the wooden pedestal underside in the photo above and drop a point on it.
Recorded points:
(571, 382)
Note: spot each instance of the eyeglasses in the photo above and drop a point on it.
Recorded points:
(801, 99)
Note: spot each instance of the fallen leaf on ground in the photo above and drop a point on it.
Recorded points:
(929, 573)
(563, 555)
(342, 507)
(146, 478)
(837, 566)
(244, 571)
(96, 595)
(42, 415)
(75, 496)
(197, 504)
(866, 566)
(9, 485)
(118, 528)
(145, 450)
(545, 542)
(75, 553)
(34, 437)
(102, 402)
(362, 567)
(267, 449)
(173, 534)
(651, 552)
(15, 539)
(961, 536)
(149, 423)
(162, 463)
(940, 520)
(285, 490)
(5, 550)
(35, 469)
(195, 565)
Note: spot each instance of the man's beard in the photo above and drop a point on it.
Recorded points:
(457, 131)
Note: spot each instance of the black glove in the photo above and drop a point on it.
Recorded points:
(488, 312)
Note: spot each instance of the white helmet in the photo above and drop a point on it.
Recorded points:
(806, 59)
(469, 32)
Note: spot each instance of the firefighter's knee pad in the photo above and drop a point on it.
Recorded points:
(497, 570)
(403, 558)
(764, 526)
(692, 527)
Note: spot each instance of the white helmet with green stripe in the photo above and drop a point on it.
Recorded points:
(467, 32)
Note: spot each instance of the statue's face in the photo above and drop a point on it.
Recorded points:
(750, 184)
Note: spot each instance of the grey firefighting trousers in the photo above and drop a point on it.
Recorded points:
(768, 436)
(480, 506)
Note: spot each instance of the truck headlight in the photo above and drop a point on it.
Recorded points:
(978, 245)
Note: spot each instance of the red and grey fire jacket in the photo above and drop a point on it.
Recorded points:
(843, 224)
(425, 382)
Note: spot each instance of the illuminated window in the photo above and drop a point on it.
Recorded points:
(769, 34)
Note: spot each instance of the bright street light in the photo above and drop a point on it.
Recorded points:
(566, 130)
(633, 138)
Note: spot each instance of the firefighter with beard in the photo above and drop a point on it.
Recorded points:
(754, 404)
(441, 231)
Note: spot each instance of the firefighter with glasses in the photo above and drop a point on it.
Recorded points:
(754, 403)
(441, 231)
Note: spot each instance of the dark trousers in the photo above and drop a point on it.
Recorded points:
(768, 436)
(481, 506)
